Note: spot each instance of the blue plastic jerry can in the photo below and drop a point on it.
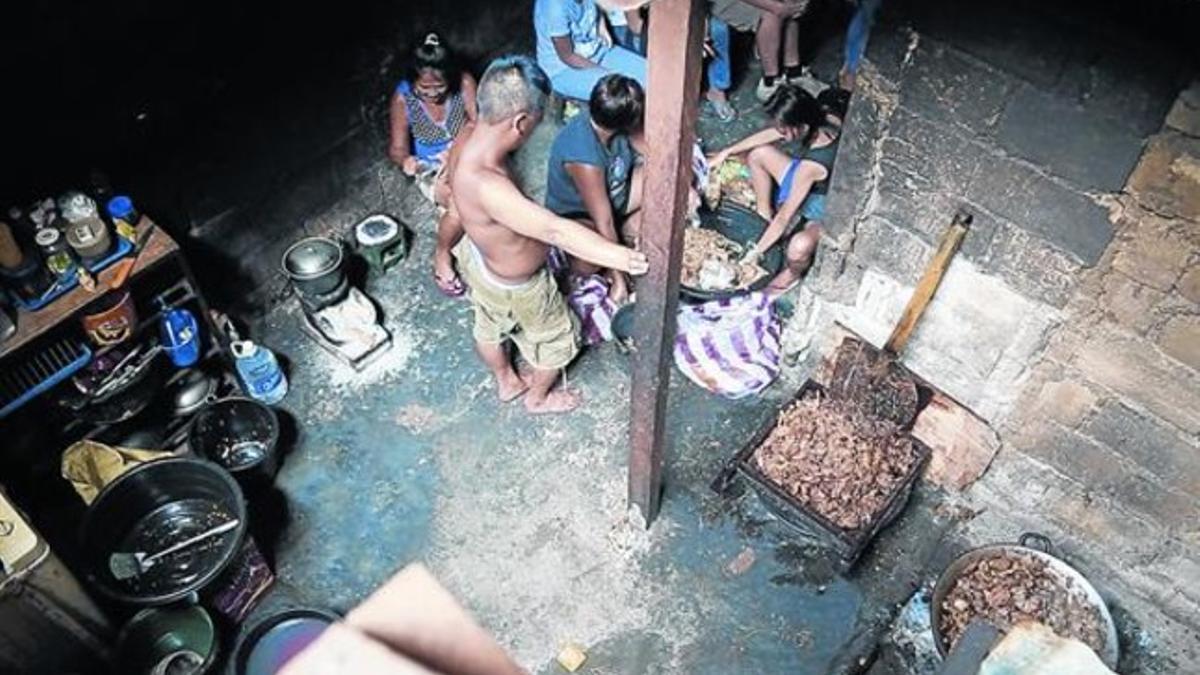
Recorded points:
(259, 371)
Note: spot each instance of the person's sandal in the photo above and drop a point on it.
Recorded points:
(721, 110)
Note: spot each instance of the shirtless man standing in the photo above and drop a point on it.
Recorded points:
(503, 256)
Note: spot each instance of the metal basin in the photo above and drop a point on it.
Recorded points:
(1068, 574)
(742, 225)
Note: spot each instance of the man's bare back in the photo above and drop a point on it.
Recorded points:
(510, 256)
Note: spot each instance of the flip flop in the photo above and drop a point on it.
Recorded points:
(451, 288)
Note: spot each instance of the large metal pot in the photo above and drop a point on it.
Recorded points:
(314, 266)
(1037, 546)
(149, 508)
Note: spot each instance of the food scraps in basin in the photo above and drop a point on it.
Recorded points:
(836, 460)
(712, 262)
(1011, 588)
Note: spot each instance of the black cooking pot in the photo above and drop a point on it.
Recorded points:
(241, 435)
(314, 266)
(741, 225)
(314, 303)
(153, 506)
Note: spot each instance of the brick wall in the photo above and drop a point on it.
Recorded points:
(1071, 318)
(1031, 124)
(1104, 443)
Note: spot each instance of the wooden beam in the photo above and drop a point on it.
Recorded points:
(676, 39)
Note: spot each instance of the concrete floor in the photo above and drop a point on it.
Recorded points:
(524, 519)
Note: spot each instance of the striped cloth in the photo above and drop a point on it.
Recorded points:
(589, 300)
(730, 347)
(587, 297)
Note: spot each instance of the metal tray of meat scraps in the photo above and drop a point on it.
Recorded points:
(848, 545)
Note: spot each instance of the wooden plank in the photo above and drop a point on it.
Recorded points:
(31, 325)
(676, 38)
(930, 280)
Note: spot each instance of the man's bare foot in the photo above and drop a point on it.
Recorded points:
(510, 389)
(447, 280)
(557, 401)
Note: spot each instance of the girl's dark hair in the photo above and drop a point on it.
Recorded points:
(618, 103)
(834, 101)
(431, 54)
(791, 106)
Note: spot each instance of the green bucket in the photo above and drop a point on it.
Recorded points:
(177, 640)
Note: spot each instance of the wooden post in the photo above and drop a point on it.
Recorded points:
(676, 40)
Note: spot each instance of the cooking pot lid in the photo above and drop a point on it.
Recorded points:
(312, 257)
(192, 389)
(375, 230)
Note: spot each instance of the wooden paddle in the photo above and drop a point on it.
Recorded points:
(875, 378)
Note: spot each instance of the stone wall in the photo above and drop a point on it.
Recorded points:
(1103, 448)
(1031, 125)
(1071, 318)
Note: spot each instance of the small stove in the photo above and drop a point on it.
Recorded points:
(350, 330)
(341, 318)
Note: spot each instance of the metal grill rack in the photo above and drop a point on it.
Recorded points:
(40, 371)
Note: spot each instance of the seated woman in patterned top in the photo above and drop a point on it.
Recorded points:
(429, 109)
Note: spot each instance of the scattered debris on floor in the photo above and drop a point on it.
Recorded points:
(571, 657)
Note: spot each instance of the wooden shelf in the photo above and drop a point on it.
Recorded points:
(32, 325)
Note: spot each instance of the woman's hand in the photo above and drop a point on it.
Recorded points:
(716, 159)
(410, 166)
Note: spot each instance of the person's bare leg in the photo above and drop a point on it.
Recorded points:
(509, 385)
(767, 165)
(800, 252)
(791, 43)
(449, 232)
(768, 39)
(540, 399)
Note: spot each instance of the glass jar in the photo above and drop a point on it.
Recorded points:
(55, 251)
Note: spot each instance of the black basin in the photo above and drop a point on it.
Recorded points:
(741, 225)
(241, 435)
(153, 506)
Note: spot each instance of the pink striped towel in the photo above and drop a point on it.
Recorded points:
(589, 300)
(730, 347)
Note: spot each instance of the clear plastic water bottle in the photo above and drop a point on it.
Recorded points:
(260, 372)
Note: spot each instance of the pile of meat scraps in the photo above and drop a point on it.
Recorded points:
(711, 262)
(1009, 589)
(836, 460)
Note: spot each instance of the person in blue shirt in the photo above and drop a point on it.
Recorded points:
(575, 48)
(430, 108)
(593, 176)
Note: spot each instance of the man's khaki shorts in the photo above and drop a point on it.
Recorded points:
(534, 315)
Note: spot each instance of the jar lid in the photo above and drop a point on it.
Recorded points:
(375, 230)
(47, 236)
(120, 206)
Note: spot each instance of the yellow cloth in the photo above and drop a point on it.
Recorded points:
(89, 465)
(534, 315)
